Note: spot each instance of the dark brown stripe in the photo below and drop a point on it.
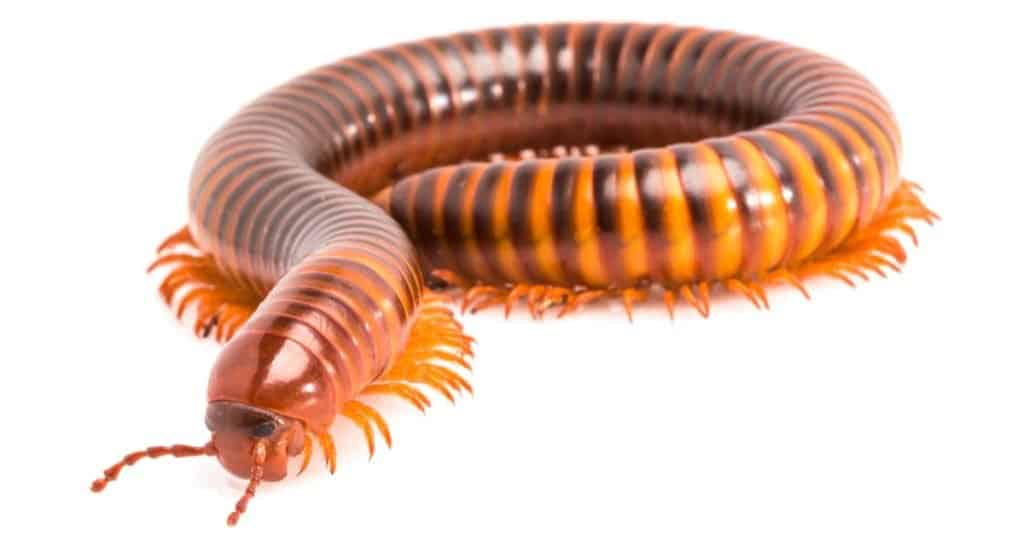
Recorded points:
(457, 73)
(783, 169)
(885, 164)
(608, 61)
(249, 189)
(850, 155)
(694, 187)
(503, 46)
(483, 211)
(369, 276)
(413, 89)
(452, 215)
(738, 173)
(654, 83)
(432, 77)
(685, 85)
(483, 64)
(606, 171)
(558, 80)
(563, 186)
(367, 100)
(519, 218)
(586, 54)
(534, 60)
(393, 96)
(709, 70)
(650, 183)
(421, 207)
(727, 104)
(630, 80)
(833, 199)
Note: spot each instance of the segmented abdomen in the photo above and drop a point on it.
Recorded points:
(766, 156)
(763, 155)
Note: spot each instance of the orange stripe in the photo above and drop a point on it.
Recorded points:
(811, 194)
(630, 222)
(584, 219)
(442, 250)
(672, 78)
(888, 163)
(871, 197)
(845, 186)
(726, 247)
(540, 223)
(474, 257)
(676, 224)
(771, 207)
(507, 259)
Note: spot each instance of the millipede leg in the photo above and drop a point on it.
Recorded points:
(436, 353)
(193, 280)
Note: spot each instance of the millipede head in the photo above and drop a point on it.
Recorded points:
(237, 429)
(250, 443)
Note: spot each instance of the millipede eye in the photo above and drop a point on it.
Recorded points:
(214, 416)
(264, 429)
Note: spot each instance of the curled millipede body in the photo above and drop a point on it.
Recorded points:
(555, 164)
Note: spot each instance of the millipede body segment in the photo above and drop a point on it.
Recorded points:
(553, 164)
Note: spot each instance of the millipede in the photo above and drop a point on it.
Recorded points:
(338, 222)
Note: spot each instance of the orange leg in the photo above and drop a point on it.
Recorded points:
(436, 354)
(369, 421)
(193, 280)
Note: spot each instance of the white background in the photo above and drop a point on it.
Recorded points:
(895, 408)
